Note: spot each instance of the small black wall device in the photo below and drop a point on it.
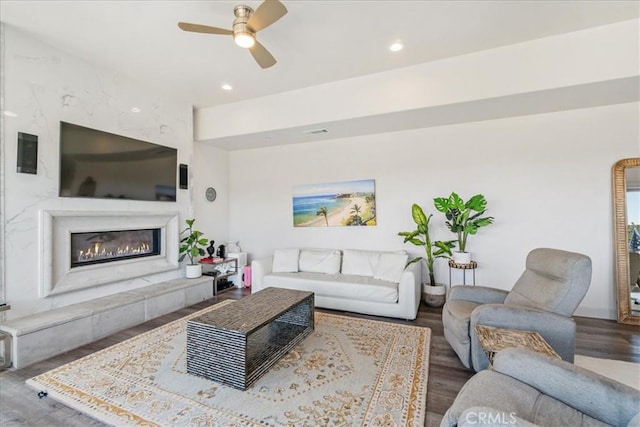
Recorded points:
(184, 176)
(27, 153)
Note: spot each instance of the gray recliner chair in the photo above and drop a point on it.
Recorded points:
(526, 388)
(542, 300)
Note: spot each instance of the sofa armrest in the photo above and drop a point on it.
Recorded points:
(260, 268)
(599, 397)
(477, 294)
(409, 288)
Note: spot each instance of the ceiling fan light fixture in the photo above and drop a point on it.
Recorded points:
(244, 39)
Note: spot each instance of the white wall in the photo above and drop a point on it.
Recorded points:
(43, 86)
(211, 169)
(547, 179)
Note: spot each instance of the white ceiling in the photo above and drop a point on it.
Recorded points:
(316, 42)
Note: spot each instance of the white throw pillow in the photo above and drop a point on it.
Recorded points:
(325, 261)
(359, 263)
(390, 266)
(285, 260)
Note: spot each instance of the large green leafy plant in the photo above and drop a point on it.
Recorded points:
(463, 218)
(193, 244)
(420, 237)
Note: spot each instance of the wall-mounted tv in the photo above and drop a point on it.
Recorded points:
(107, 166)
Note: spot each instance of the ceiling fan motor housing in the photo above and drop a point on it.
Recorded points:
(242, 33)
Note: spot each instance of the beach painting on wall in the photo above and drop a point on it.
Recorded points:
(335, 204)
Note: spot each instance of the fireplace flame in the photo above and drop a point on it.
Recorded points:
(98, 251)
(106, 246)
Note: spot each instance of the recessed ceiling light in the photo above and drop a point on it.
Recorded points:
(396, 47)
(226, 86)
(9, 113)
(135, 110)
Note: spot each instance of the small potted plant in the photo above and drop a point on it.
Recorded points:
(192, 245)
(463, 219)
(434, 292)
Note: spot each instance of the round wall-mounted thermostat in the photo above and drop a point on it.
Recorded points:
(210, 194)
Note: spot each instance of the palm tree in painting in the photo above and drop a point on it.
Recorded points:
(356, 219)
(323, 211)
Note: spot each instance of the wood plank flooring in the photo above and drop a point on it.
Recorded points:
(19, 405)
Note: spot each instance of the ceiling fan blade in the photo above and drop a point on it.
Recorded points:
(262, 55)
(266, 14)
(197, 28)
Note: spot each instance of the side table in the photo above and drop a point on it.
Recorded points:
(221, 269)
(494, 339)
(464, 267)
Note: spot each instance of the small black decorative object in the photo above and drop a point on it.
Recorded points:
(211, 248)
(27, 153)
(222, 251)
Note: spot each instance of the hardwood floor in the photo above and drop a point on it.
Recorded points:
(19, 405)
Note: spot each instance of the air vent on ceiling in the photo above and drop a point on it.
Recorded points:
(315, 131)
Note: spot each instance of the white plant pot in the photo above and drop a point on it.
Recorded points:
(462, 257)
(193, 271)
(434, 296)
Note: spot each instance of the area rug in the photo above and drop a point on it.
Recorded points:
(624, 372)
(348, 372)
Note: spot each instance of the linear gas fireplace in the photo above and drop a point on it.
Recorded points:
(83, 249)
(108, 246)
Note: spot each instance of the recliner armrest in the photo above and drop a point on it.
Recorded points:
(599, 397)
(477, 294)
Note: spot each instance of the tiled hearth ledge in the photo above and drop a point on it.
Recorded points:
(42, 335)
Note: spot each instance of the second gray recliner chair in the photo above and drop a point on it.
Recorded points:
(542, 300)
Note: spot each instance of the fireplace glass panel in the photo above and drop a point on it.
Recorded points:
(108, 246)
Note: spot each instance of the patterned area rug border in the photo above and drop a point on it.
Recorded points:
(349, 371)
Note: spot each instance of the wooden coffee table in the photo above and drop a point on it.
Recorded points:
(237, 344)
(494, 339)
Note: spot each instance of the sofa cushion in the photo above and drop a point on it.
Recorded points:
(352, 287)
(390, 266)
(285, 260)
(360, 263)
(325, 261)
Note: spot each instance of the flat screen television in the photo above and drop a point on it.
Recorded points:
(103, 165)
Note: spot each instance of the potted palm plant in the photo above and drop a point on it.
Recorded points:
(192, 245)
(463, 219)
(434, 293)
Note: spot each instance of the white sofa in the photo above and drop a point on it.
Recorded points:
(368, 282)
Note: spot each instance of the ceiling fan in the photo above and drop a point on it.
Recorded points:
(247, 23)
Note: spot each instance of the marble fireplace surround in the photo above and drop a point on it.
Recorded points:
(56, 275)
